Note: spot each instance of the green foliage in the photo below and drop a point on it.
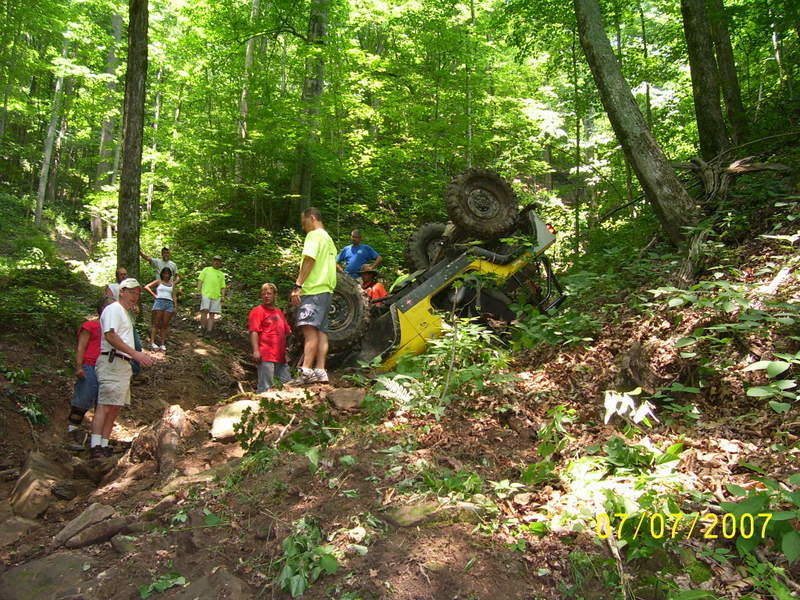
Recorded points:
(459, 485)
(161, 584)
(553, 435)
(776, 388)
(783, 507)
(569, 327)
(467, 359)
(305, 558)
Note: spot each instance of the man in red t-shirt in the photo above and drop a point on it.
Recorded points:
(268, 330)
(84, 395)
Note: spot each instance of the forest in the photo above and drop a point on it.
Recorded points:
(638, 441)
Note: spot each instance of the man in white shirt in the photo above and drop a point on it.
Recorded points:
(114, 365)
(159, 263)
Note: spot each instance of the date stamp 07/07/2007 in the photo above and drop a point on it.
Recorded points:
(682, 525)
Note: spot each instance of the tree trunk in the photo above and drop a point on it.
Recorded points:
(648, 111)
(312, 90)
(154, 146)
(469, 81)
(705, 79)
(50, 139)
(243, 108)
(103, 175)
(670, 202)
(578, 175)
(132, 131)
(737, 117)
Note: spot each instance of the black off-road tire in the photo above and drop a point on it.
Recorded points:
(482, 204)
(423, 245)
(348, 317)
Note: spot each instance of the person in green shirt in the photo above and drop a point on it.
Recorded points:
(312, 294)
(211, 287)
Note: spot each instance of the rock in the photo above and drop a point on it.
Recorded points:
(60, 575)
(347, 398)
(31, 495)
(64, 490)
(203, 477)
(220, 585)
(96, 513)
(161, 507)
(431, 511)
(91, 470)
(14, 528)
(227, 416)
(99, 532)
(124, 544)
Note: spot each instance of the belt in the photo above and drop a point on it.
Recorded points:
(118, 355)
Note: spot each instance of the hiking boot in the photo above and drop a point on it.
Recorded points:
(321, 376)
(75, 440)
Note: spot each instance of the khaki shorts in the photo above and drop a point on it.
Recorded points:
(212, 305)
(114, 381)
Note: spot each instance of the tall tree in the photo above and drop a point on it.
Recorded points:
(132, 134)
(705, 79)
(313, 85)
(670, 202)
(49, 142)
(243, 106)
(737, 117)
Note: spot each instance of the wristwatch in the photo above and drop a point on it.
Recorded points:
(297, 286)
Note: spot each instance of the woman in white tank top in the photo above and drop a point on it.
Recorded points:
(165, 305)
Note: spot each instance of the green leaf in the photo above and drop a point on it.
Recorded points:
(753, 467)
(760, 392)
(736, 489)
(776, 367)
(312, 454)
(784, 515)
(297, 585)
(688, 354)
(795, 479)
(790, 544)
(757, 366)
(779, 407)
(329, 563)
(691, 595)
(210, 519)
(685, 341)
(347, 460)
(785, 384)
(675, 302)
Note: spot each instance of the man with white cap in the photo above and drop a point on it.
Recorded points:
(114, 365)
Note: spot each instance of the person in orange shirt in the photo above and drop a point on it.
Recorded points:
(371, 286)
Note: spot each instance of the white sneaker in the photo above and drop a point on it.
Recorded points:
(153, 347)
(303, 378)
(320, 376)
(163, 348)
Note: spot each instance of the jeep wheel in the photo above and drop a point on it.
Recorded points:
(481, 203)
(348, 316)
(424, 245)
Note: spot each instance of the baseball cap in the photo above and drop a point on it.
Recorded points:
(216, 257)
(128, 283)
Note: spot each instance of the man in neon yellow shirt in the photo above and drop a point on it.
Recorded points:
(211, 287)
(312, 293)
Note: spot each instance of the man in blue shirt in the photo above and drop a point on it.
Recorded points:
(356, 255)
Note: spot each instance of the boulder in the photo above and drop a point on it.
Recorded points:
(93, 515)
(99, 532)
(206, 476)
(227, 416)
(428, 512)
(57, 576)
(124, 544)
(32, 495)
(220, 585)
(347, 398)
(14, 528)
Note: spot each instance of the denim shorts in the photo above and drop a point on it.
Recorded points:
(164, 304)
(84, 396)
(313, 310)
